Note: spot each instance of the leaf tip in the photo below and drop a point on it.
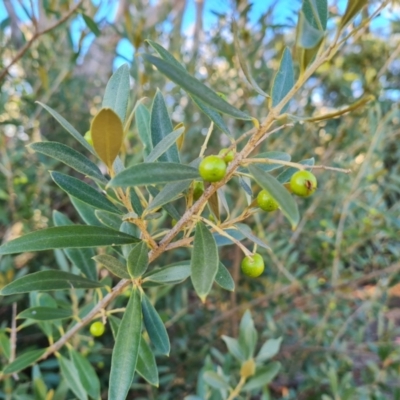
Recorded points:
(203, 298)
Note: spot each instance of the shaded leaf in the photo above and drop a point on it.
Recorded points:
(170, 274)
(65, 237)
(85, 211)
(224, 241)
(109, 219)
(263, 376)
(45, 313)
(194, 86)
(352, 9)
(205, 261)
(316, 13)
(155, 327)
(169, 208)
(143, 128)
(126, 349)
(216, 381)
(107, 135)
(284, 79)
(224, 278)
(5, 345)
(68, 127)
(268, 350)
(154, 173)
(160, 127)
(113, 265)
(163, 146)
(70, 157)
(48, 281)
(247, 335)
(234, 347)
(86, 373)
(246, 230)
(23, 361)
(71, 376)
(146, 365)
(91, 24)
(116, 95)
(138, 260)
(278, 192)
(83, 192)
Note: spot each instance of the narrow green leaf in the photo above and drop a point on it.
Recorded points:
(169, 208)
(205, 261)
(47, 281)
(194, 86)
(113, 265)
(107, 135)
(5, 345)
(169, 274)
(272, 155)
(138, 260)
(308, 36)
(246, 230)
(268, 350)
(212, 114)
(83, 192)
(146, 365)
(69, 157)
(135, 201)
(143, 128)
(263, 376)
(155, 327)
(247, 335)
(216, 381)
(91, 24)
(278, 192)
(69, 128)
(109, 219)
(126, 349)
(171, 190)
(45, 313)
(316, 13)
(65, 237)
(23, 361)
(234, 348)
(352, 9)
(115, 322)
(86, 373)
(224, 278)
(154, 173)
(85, 211)
(116, 95)
(284, 80)
(287, 174)
(81, 258)
(224, 241)
(71, 376)
(163, 146)
(160, 127)
(243, 63)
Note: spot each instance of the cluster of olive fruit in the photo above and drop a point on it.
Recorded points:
(213, 169)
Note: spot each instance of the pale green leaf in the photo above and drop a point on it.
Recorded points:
(155, 327)
(263, 376)
(246, 230)
(143, 128)
(163, 146)
(285, 200)
(268, 350)
(69, 157)
(216, 381)
(113, 265)
(234, 348)
(138, 260)
(83, 192)
(109, 219)
(126, 349)
(116, 95)
(48, 281)
(23, 361)
(160, 127)
(224, 278)
(154, 173)
(71, 376)
(68, 127)
(247, 335)
(45, 313)
(205, 261)
(195, 87)
(169, 274)
(284, 79)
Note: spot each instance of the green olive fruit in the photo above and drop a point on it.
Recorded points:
(212, 169)
(303, 183)
(97, 328)
(253, 266)
(227, 156)
(266, 202)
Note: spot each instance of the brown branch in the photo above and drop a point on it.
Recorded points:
(35, 36)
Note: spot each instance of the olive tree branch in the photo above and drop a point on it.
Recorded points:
(35, 36)
(255, 135)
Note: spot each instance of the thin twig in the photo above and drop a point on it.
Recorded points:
(35, 36)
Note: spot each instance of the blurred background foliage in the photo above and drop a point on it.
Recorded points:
(339, 341)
